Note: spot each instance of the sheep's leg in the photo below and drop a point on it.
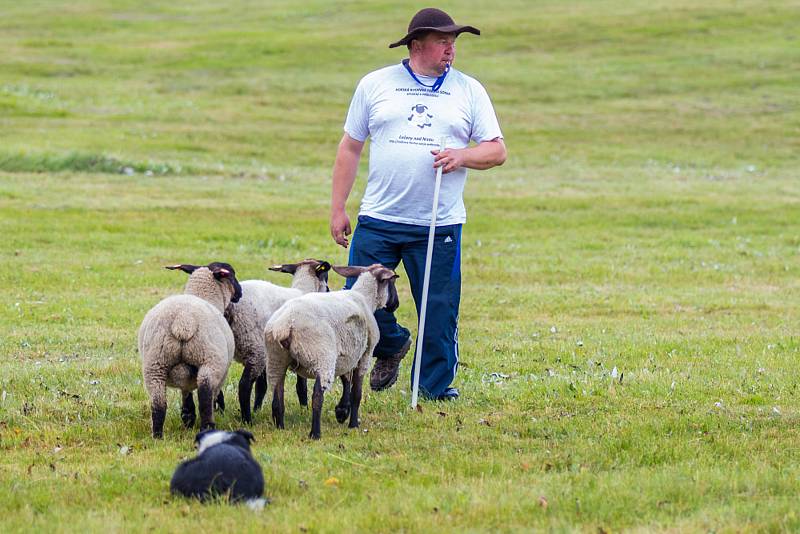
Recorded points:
(261, 391)
(219, 403)
(158, 412)
(245, 389)
(278, 406)
(188, 415)
(316, 408)
(343, 408)
(156, 383)
(205, 398)
(302, 390)
(355, 397)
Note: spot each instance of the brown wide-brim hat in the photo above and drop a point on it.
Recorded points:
(432, 20)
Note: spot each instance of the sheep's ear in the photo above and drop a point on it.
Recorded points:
(289, 268)
(221, 270)
(349, 272)
(387, 274)
(237, 288)
(185, 267)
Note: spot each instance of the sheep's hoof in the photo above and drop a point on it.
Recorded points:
(313, 436)
(219, 403)
(158, 435)
(342, 412)
(188, 418)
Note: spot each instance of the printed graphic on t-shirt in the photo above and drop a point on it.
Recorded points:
(420, 117)
(421, 92)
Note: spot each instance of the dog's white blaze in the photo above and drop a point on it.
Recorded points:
(214, 438)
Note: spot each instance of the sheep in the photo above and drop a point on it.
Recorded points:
(325, 335)
(185, 342)
(248, 317)
(224, 466)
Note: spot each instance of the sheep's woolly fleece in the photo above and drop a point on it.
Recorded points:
(185, 342)
(260, 300)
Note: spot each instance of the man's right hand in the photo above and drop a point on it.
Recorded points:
(340, 228)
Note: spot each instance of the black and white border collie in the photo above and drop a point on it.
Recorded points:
(224, 467)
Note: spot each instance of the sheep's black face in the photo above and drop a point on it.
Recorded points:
(393, 300)
(386, 278)
(225, 270)
(323, 282)
(322, 271)
(237, 291)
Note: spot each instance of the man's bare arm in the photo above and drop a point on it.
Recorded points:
(482, 156)
(344, 175)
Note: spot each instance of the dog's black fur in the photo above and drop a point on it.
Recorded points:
(223, 469)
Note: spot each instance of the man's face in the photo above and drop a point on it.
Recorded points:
(438, 49)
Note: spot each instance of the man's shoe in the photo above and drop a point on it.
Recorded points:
(449, 394)
(384, 373)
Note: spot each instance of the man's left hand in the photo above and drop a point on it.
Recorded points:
(448, 159)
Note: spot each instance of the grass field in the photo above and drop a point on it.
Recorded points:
(630, 321)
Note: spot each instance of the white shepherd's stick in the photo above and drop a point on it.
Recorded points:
(426, 281)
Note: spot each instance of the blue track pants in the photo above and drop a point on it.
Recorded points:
(388, 243)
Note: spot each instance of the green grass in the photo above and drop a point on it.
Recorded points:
(646, 220)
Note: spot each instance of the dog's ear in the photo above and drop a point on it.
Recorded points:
(246, 435)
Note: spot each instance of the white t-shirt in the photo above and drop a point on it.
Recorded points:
(404, 122)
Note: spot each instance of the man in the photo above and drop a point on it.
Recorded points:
(405, 109)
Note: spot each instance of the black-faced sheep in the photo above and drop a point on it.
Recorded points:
(248, 317)
(185, 342)
(325, 335)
